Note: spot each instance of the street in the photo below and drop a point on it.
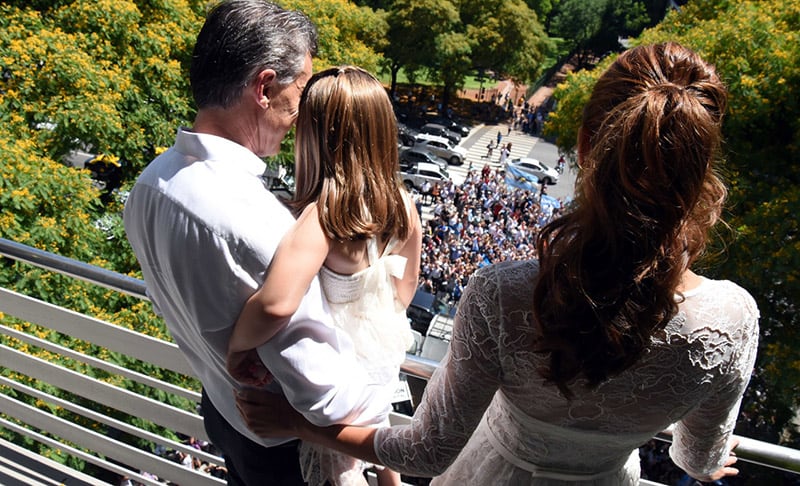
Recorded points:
(522, 145)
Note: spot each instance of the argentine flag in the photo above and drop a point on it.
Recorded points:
(521, 180)
(549, 203)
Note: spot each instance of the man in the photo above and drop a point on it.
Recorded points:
(204, 228)
(426, 192)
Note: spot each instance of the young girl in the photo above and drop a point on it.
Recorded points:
(358, 230)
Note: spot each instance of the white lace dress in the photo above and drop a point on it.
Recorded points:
(518, 431)
(365, 306)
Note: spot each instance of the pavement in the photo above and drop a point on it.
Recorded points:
(522, 145)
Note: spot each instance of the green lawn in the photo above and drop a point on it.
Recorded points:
(469, 83)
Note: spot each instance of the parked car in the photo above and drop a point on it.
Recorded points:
(546, 174)
(421, 310)
(454, 154)
(414, 155)
(451, 124)
(415, 175)
(405, 135)
(436, 129)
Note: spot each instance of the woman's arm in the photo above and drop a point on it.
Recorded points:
(270, 415)
(297, 260)
(702, 440)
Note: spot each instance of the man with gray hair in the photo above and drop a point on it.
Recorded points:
(204, 228)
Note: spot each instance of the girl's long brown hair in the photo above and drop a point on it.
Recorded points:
(346, 156)
(646, 196)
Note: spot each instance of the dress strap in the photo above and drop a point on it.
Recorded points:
(372, 243)
(372, 250)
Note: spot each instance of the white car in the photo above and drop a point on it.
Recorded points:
(544, 173)
(444, 148)
(414, 176)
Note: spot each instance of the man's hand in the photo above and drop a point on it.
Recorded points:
(246, 367)
(268, 414)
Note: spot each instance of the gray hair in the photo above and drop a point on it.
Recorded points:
(241, 38)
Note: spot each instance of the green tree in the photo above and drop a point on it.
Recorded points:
(591, 28)
(414, 27)
(103, 76)
(450, 40)
(754, 45)
(348, 34)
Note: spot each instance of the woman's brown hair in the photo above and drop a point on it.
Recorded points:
(346, 156)
(646, 196)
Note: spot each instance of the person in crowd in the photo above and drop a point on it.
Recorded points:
(489, 150)
(505, 152)
(426, 192)
(367, 259)
(204, 228)
(436, 193)
(560, 368)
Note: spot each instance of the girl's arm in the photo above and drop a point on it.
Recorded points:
(412, 248)
(455, 399)
(295, 263)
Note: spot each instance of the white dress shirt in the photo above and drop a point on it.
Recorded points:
(204, 229)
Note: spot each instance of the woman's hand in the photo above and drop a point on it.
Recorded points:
(726, 470)
(246, 367)
(268, 414)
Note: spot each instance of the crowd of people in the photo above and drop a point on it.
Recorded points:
(474, 224)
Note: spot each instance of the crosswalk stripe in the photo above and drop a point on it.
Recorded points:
(521, 146)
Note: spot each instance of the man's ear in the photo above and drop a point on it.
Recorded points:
(260, 89)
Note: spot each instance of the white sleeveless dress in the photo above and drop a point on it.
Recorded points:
(364, 305)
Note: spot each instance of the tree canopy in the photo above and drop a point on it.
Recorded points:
(450, 40)
(592, 28)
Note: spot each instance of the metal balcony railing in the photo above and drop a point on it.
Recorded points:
(83, 438)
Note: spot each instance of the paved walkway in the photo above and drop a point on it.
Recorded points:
(522, 145)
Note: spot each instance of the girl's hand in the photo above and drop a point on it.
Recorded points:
(268, 414)
(246, 367)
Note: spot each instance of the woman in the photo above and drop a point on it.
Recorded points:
(560, 368)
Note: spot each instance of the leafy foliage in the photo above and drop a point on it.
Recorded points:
(348, 34)
(105, 76)
(449, 40)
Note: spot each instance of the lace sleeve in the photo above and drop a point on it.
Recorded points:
(458, 392)
(700, 439)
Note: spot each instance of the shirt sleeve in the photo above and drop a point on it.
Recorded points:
(701, 439)
(316, 366)
(457, 394)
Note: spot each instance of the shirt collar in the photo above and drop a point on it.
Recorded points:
(204, 146)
